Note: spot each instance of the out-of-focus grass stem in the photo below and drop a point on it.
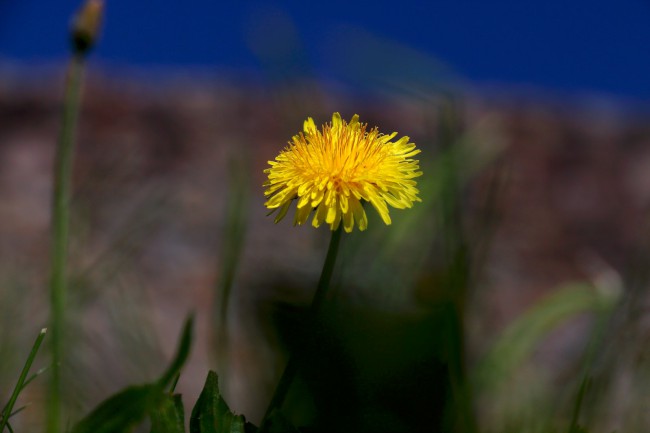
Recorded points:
(233, 236)
(7, 411)
(60, 223)
(83, 35)
(458, 270)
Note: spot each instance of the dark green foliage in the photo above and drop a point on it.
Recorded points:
(123, 411)
(278, 423)
(170, 416)
(128, 408)
(211, 413)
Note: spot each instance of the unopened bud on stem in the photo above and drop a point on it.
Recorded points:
(86, 25)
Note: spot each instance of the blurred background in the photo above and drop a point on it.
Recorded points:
(521, 276)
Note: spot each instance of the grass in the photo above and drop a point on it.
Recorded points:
(23, 381)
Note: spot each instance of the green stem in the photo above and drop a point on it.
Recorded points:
(291, 369)
(60, 223)
(21, 381)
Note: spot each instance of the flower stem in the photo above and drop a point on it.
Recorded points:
(7, 411)
(59, 242)
(291, 369)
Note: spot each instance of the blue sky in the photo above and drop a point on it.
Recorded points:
(562, 46)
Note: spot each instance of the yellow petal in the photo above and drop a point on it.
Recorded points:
(378, 203)
(343, 200)
(332, 211)
(280, 198)
(309, 126)
(319, 216)
(301, 215)
(316, 196)
(337, 221)
(303, 201)
(348, 221)
(395, 202)
(354, 122)
(359, 214)
(303, 188)
(283, 211)
(336, 121)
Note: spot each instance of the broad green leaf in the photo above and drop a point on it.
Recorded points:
(123, 411)
(169, 417)
(211, 414)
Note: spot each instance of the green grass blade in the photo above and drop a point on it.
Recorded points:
(21, 380)
(233, 234)
(34, 376)
(182, 353)
(520, 338)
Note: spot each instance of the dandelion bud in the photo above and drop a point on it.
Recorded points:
(85, 26)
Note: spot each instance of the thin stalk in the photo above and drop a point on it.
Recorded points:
(458, 274)
(291, 369)
(60, 223)
(6, 414)
(234, 233)
(233, 236)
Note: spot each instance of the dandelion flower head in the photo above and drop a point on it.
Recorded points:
(333, 171)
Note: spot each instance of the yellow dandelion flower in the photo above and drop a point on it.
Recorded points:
(334, 170)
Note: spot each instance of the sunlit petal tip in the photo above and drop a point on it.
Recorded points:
(303, 201)
(309, 126)
(348, 222)
(336, 120)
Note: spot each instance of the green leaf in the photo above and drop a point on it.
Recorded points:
(128, 408)
(182, 353)
(170, 416)
(211, 414)
(123, 411)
